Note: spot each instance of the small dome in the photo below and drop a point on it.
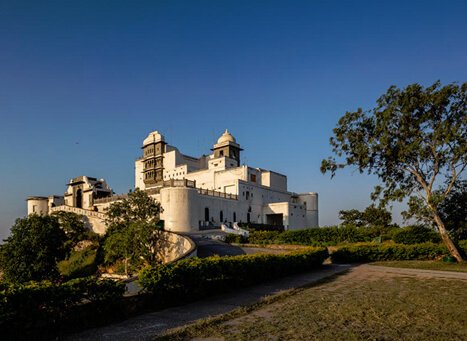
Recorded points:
(153, 137)
(226, 137)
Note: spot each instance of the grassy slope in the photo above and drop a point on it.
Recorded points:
(79, 264)
(426, 265)
(352, 307)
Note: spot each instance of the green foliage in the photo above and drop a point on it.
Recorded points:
(416, 234)
(413, 137)
(73, 226)
(38, 304)
(323, 236)
(136, 243)
(370, 217)
(32, 250)
(79, 264)
(133, 232)
(235, 238)
(196, 277)
(453, 210)
(382, 252)
(138, 206)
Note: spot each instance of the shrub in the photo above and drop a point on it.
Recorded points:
(416, 234)
(235, 238)
(382, 252)
(264, 237)
(197, 277)
(323, 236)
(46, 305)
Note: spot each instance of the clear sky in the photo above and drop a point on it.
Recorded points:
(83, 82)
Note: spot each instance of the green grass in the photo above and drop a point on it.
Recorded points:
(425, 265)
(360, 305)
(79, 264)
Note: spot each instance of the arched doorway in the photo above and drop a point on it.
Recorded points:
(79, 198)
(234, 217)
(248, 217)
(221, 216)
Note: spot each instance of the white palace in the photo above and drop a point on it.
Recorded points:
(195, 193)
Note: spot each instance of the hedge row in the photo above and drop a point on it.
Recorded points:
(333, 235)
(383, 252)
(324, 236)
(48, 306)
(198, 277)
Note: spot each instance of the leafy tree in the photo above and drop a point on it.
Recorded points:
(414, 138)
(138, 206)
(371, 216)
(133, 231)
(453, 210)
(33, 249)
(351, 217)
(73, 226)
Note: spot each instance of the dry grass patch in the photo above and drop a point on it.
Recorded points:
(425, 265)
(360, 305)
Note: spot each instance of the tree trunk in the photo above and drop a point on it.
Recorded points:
(446, 239)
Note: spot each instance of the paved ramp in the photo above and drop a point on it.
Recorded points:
(208, 246)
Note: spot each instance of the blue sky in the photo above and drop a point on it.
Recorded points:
(83, 82)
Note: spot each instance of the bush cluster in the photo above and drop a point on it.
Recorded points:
(334, 235)
(416, 234)
(235, 239)
(47, 306)
(323, 236)
(197, 277)
(383, 252)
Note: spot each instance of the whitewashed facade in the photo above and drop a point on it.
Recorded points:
(217, 188)
(196, 193)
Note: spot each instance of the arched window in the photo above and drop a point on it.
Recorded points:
(206, 214)
(221, 216)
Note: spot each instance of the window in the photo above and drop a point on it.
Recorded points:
(221, 153)
(253, 177)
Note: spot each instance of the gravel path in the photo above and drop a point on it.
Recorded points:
(146, 326)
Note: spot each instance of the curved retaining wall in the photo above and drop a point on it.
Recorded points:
(175, 246)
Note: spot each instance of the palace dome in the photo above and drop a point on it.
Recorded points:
(153, 137)
(226, 137)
